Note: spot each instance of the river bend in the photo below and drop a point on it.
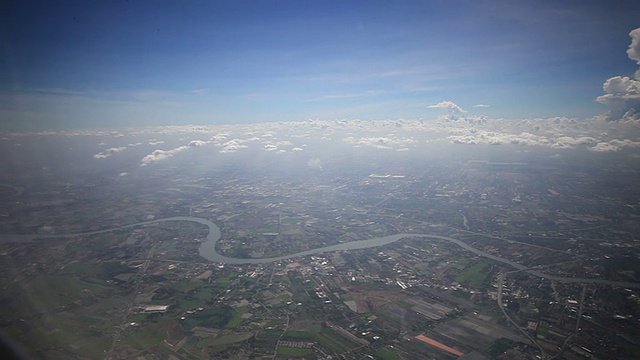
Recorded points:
(208, 248)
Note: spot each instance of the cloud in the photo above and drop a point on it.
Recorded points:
(200, 91)
(159, 155)
(197, 143)
(454, 111)
(277, 146)
(568, 142)
(474, 136)
(622, 97)
(106, 153)
(233, 145)
(383, 142)
(634, 48)
(614, 145)
(315, 164)
(622, 94)
(219, 137)
(481, 106)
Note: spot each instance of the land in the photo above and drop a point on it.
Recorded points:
(146, 293)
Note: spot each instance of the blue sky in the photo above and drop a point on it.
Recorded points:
(128, 63)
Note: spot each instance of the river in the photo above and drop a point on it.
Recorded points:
(208, 249)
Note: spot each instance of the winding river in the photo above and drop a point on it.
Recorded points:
(208, 248)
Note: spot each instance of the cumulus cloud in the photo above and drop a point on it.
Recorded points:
(197, 143)
(106, 153)
(277, 146)
(159, 155)
(219, 137)
(634, 49)
(614, 145)
(233, 145)
(622, 94)
(453, 109)
(568, 142)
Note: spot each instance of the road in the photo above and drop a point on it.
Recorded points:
(543, 355)
(129, 306)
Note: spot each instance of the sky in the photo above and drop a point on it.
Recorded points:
(86, 64)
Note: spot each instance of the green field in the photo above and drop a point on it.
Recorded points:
(386, 354)
(294, 352)
(475, 275)
(225, 339)
(212, 318)
(144, 338)
(335, 342)
(295, 335)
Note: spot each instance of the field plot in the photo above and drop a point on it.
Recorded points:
(431, 310)
(474, 332)
(439, 345)
(336, 341)
(475, 276)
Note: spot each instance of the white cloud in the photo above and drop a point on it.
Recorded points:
(383, 142)
(634, 48)
(315, 164)
(197, 143)
(622, 94)
(622, 97)
(159, 155)
(474, 136)
(567, 142)
(481, 106)
(395, 135)
(233, 145)
(155, 142)
(106, 153)
(614, 145)
(449, 105)
(219, 137)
